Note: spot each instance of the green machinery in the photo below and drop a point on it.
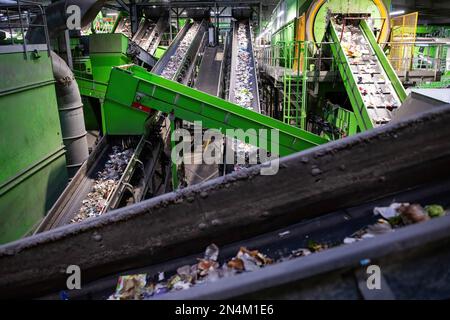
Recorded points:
(133, 92)
(32, 153)
(300, 32)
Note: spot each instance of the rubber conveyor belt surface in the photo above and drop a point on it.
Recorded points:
(209, 73)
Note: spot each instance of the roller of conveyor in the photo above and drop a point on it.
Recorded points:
(243, 79)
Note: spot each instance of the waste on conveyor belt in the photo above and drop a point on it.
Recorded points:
(125, 27)
(376, 90)
(243, 82)
(145, 40)
(208, 269)
(104, 185)
(243, 88)
(177, 58)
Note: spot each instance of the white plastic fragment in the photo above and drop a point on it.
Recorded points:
(388, 212)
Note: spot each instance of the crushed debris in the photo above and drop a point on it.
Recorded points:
(176, 59)
(104, 185)
(244, 70)
(208, 268)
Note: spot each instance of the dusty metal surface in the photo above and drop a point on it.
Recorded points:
(283, 245)
(336, 175)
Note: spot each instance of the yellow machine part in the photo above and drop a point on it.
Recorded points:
(316, 21)
(403, 37)
(300, 35)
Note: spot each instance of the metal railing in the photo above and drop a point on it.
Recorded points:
(19, 18)
(426, 55)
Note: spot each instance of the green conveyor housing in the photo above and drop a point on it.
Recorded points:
(373, 87)
(133, 94)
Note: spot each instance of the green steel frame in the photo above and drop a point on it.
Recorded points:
(133, 92)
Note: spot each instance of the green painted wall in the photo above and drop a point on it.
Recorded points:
(32, 160)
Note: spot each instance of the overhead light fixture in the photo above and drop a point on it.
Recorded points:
(111, 14)
(280, 13)
(153, 6)
(397, 13)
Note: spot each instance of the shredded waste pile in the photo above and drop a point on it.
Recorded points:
(377, 91)
(124, 27)
(177, 58)
(243, 89)
(104, 185)
(208, 269)
(244, 70)
(145, 41)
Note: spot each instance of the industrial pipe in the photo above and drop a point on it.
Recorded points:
(56, 16)
(70, 114)
(67, 93)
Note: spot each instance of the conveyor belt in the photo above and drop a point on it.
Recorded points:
(243, 78)
(174, 60)
(144, 33)
(190, 218)
(157, 35)
(208, 79)
(124, 26)
(373, 87)
(79, 191)
(150, 33)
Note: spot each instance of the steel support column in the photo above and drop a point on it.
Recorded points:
(133, 17)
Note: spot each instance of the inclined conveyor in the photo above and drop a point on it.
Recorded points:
(149, 34)
(372, 85)
(242, 66)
